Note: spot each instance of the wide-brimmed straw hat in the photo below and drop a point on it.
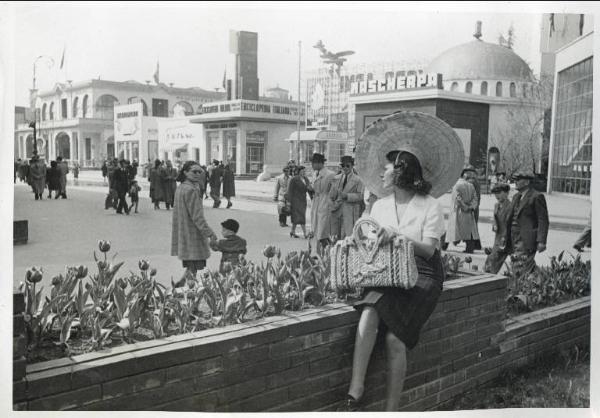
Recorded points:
(435, 144)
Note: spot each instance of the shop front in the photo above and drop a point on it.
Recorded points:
(135, 135)
(248, 135)
(332, 144)
(179, 140)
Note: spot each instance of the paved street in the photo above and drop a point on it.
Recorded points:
(66, 232)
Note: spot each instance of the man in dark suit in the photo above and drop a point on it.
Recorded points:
(529, 224)
(501, 224)
(121, 185)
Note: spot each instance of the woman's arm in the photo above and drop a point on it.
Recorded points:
(424, 248)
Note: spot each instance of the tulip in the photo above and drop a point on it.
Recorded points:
(102, 265)
(104, 246)
(123, 283)
(88, 287)
(143, 265)
(124, 323)
(81, 272)
(269, 251)
(56, 280)
(468, 260)
(152, 272)
(33, 275)
(227, 267)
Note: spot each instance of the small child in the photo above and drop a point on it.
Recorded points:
(231, 246)
(502, 214)
(134, 191)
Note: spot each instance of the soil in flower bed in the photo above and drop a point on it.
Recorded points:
(557, 380)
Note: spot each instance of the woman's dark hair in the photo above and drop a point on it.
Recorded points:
(408, 173)
(156, 163)
(53, 164)
(184, 169)
(298, 169)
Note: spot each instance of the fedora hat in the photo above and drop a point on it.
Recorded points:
(347, 159)
(523, 174)
(500, 187)
(468, 167)
(435, 144)
(317, 158)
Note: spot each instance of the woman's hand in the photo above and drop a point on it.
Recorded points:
(385, 235)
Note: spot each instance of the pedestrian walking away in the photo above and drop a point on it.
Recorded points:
(296, 196)
(420, 158)
(121, 183)
(63, 168)
(501, 225)
(53, 180)
(347, 193)
(157, 193)
(320, 215)
(228, 185)
(169, 179)
(190, 231)
(231, 246)
(104, 171)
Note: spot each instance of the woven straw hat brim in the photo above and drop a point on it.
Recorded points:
(435, 144)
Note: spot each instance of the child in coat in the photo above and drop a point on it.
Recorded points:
(231, 246)
(134, 191)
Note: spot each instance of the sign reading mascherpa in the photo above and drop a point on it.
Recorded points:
(397, 83)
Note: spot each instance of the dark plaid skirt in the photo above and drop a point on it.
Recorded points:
(195, 265)
(405, 311)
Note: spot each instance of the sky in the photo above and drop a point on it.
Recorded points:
(124, 41)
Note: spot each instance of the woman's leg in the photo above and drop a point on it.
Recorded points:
(366, 333)
(303, 226)
(396, 371)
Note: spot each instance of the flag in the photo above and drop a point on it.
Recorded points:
(552, 29)
(156, 74)
(62, 60)
(225, 79)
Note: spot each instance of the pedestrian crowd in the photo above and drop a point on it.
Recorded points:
(39, 176)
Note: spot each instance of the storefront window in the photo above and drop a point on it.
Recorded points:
(152, 149)
(230, 148)
(255, 150)
(572, 146)
(336, 151)
(213, 142)
(121, 150)
(135, 150)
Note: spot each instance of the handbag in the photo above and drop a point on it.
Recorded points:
(363, 262)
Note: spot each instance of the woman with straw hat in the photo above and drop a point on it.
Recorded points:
(408, 160)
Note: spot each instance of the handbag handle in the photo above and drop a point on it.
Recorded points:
(366, 254)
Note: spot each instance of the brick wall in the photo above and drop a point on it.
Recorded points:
(19, 349)
(302, 361)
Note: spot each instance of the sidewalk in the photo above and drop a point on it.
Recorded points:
(566, 213)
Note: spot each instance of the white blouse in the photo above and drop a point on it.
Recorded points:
(423, 217)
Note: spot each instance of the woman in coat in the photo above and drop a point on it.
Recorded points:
(53, 180)
(228, 185)
(37, 176)
(296, 195)
(169, 179)
(157, 193)
(190, 231)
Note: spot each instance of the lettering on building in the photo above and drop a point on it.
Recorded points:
(130, 114)
(397, 83)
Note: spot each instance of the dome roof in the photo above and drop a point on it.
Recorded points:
(478, 60)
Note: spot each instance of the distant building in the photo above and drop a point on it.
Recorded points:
(76, 121)
(278, 93)
(570, 159)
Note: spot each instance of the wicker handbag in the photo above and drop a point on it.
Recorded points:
(358, 263)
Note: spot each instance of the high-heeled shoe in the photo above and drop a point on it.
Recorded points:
(350, 405)
(292, 235)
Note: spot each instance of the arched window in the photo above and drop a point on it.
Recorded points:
(137, 99)
(187, 108)
(105, 106)
(525, 90)
(84, 106)
(75, 107)
(454, 86)
(51, 111)
(199, 110)
(499, 89)
(469, 87)
(44, 111)
(483, 90)
(512, 89)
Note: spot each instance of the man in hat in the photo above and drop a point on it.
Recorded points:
(281, 187)
(528, 224)
(471, 176)
(346, 196)
(320, 214)
(501, 225)
(461, 222)
(63, 168)
(585, 239)
(215, 173)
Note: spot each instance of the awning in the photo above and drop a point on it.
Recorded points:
(319, 136)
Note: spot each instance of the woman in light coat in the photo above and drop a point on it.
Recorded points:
(320, 213)
(190, 231)
(37, 175)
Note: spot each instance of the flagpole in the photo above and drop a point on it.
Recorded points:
(298, 119)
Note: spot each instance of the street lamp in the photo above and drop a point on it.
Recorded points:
(33, 97)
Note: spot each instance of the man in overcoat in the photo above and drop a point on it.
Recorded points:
(169, 177)
(320, 214)
(121, 184)
(63, 169)
(346, 195)
(214, 180)
(529, 224)
(500, 225)
(461, 222)
(281, 187)
(37, 176)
